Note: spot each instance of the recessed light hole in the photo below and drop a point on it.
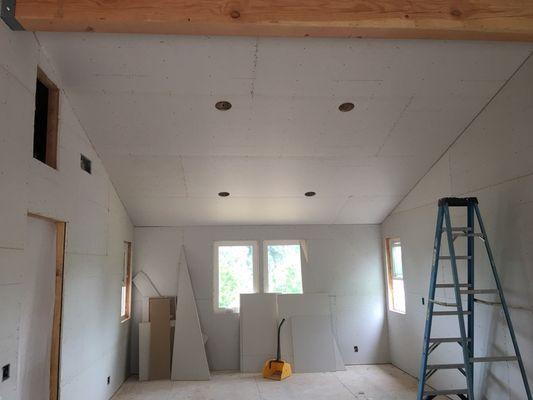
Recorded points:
(223, 105)
(345, 107)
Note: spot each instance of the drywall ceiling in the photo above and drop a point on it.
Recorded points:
(147, 104)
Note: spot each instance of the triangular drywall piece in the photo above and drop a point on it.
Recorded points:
(189, 361)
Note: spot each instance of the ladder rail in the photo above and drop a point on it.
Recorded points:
(470, 299)
(504, 302)
(429, 312)
(462, 329)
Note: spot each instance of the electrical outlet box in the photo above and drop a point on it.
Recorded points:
(356, 349)
(108, 380)
(5, 372)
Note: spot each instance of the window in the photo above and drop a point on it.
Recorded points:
(125, 298)
(395, 276)
(282, 266)
(235, 272)
(46, 120)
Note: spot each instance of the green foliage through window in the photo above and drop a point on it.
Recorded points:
(235, 274)
(284, 269)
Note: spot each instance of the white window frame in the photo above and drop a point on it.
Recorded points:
(388, 259)
(216, 293)
(267, 243)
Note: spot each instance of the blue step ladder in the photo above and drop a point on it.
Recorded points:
(466, 340)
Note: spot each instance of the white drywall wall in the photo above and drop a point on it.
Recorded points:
(344, 261)
(493, 161)
(94, 342)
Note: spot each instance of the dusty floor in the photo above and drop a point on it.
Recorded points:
(365, 382)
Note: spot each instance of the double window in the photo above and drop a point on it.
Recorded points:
(237, 270)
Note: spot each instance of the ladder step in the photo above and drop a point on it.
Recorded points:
(447, 340)
(445, 366)
(451, 285)
(479, 291)
(445, 392)
(456, 257)
(458, 229)
(443, 313)
(493, 359)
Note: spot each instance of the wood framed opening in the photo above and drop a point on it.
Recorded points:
(55, 348)
(125, 299)
(46, 120)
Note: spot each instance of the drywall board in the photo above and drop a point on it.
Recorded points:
(144, 351)
(314, 349)
(144, 285)
(303, 304)
(258, 329)
(290, 305)
(189, 361)
(405, 116)
(159, 338)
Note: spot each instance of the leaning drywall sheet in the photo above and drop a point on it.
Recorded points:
(290, 305)
(313, 343)
(159, 338)
(189, 361)
(144, 285)
(258, 330)
(144, 351)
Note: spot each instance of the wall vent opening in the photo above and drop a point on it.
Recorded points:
(85, 164)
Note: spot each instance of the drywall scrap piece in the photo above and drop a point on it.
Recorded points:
(144, 285)
(189, 361)
(258, 330)
(313, 344)
(159, 338)
(144, 351)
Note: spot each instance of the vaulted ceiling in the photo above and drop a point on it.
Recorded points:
(148, 105)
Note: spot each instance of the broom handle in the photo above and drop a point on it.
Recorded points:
(278, 355)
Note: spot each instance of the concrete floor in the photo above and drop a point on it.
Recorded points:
(364, 382)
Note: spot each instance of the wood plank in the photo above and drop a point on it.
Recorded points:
(58, 306)
(159, 366)
(437, 19)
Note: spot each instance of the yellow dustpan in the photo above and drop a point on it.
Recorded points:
(277, 369)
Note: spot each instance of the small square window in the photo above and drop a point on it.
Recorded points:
(395, 276)
(282, 262)
(46, 120)
(235, 272)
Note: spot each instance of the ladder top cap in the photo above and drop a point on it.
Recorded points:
(457, 201)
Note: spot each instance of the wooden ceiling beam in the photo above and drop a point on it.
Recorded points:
(395, 19)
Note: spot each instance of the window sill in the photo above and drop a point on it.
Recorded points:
(397, 312)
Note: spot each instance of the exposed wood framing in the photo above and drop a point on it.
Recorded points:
(438, 19)
(58, 309)
(52, 120)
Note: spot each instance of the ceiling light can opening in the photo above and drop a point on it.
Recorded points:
(345, 107)
(223, 105)
(223, 194)
(310, 194)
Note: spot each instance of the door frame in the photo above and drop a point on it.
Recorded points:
(55, 348)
